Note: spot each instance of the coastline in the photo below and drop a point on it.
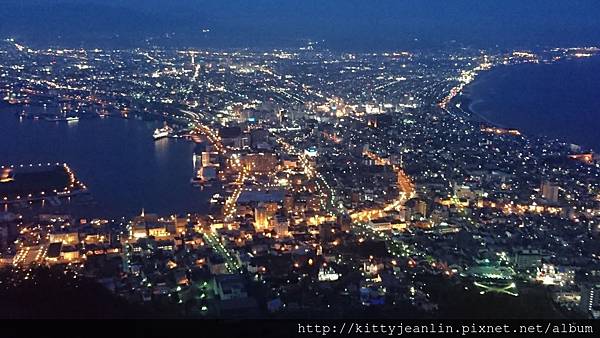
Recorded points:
(466, 105)
(465, 98)
(158, 171)
(550, 109)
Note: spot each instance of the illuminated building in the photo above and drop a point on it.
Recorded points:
(157, 231)
(60, 253)
(398, 225)
(208, 157)
(217, 265)
(6, 175)
(260, 162)
(422, 224)
(327, 274)
(290, 163)
(549, 274)
(67, 238)
(590, 299)
(53, 253)
(146, 225)
(372, 268)
(180, 224)
(311, 152)
(271, 201)
(204, 167)
(549, 191)
(381, 224)
(378, 120)
(261, 217)
(463, 192)
(199, 149)
(313, 203)
(372, 109)
(69, 253)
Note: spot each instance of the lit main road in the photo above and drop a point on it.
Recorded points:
(212, 136)
(231, 262)
(395, 247)
(465, 78)
(231, 202)
(407, 191)
(328, 200)
(327, 195)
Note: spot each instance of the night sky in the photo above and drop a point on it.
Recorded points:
(344, 24)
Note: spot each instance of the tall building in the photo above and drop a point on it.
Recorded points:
(345, 222)
(288, 202)
(8, 230)
(280, 224)
(258, 136)
(231, 136)
(326, 232)
(549, 191)
(261, 217)
(209, 158)
(179, 225)
(416, 208)
(4, 242)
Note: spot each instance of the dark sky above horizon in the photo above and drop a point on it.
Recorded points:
(343, 24)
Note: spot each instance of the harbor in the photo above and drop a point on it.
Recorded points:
(123, 167)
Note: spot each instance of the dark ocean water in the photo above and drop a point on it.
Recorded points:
(123, 167)
(560, 100)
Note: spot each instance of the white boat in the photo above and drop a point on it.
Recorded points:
(216, 198)
(162, 132)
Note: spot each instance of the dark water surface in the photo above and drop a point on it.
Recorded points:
(123, 167)
(560, 100)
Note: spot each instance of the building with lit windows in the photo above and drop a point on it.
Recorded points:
(590, 300)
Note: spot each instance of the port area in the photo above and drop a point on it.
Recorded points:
(38, 182)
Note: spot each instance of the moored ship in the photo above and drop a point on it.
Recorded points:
(162, 132)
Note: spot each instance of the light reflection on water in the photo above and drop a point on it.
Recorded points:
(118, 160)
